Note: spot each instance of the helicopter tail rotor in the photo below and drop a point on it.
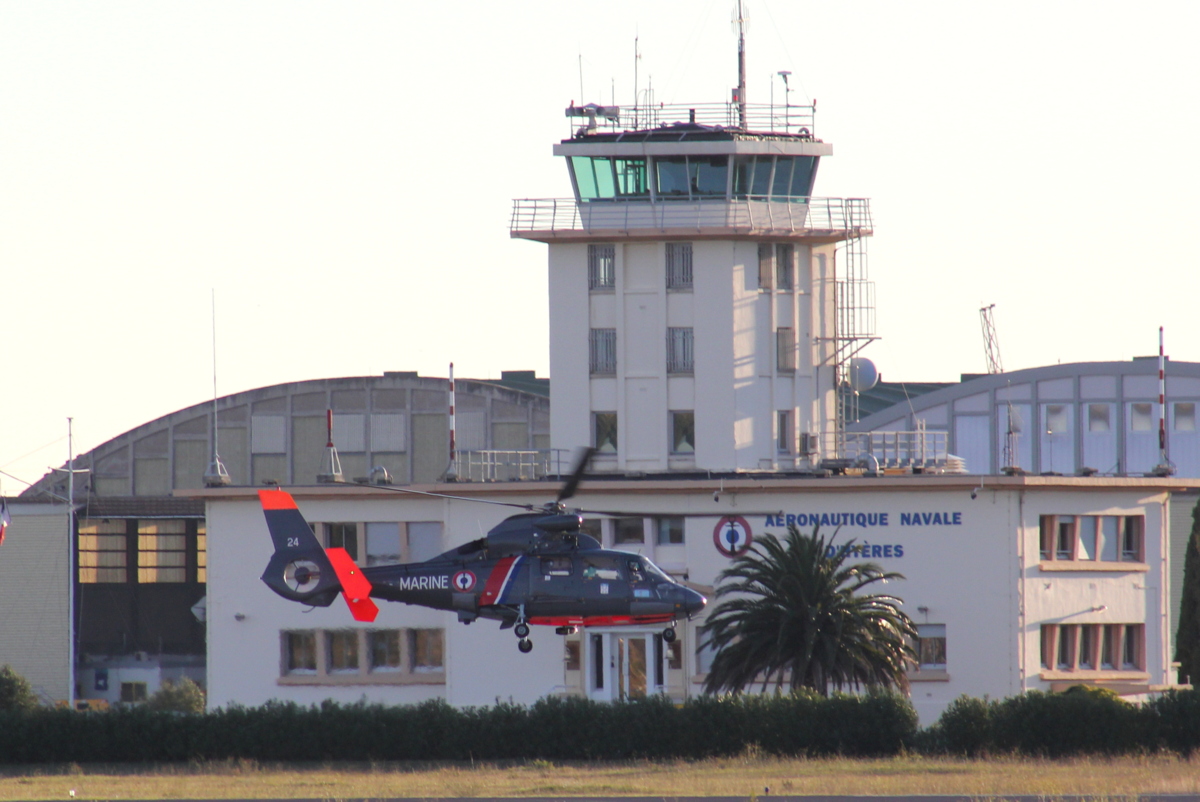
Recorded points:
(300, 570)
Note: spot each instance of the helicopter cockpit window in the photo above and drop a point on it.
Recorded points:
(635, 571)
(556, 566)
(599, 567)
(655, 572)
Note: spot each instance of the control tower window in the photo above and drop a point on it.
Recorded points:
(777, 178)
(594, 177)
(606, 178)
(691, 177)
(631, 177)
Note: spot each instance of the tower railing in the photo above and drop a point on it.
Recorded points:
(760, 117)
(750, 213)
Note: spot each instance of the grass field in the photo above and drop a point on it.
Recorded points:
(744, 776)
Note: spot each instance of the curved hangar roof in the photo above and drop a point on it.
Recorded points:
(398, 421)
(1077, 418)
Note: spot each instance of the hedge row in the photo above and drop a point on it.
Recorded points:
(553, 729)
(1080, 721)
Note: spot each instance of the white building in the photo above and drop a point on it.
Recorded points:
(703, 308)
(1015, 583)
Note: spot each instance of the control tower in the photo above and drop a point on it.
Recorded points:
(703, 303)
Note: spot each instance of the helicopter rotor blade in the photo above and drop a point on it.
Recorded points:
(527, 507)
(572, 484)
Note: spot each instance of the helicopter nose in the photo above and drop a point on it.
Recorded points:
(693, 602)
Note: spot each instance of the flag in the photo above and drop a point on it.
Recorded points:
(5, 518)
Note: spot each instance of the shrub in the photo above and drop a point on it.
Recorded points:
(965, 727)
(184, 696)
(16, 694)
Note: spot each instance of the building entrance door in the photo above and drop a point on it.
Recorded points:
(624, 664)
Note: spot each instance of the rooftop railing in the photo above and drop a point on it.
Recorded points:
(762, 118)
(494, 465)
(751, 213)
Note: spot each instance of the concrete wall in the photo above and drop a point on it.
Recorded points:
(34, 572)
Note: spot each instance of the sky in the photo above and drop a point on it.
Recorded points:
(339, 178)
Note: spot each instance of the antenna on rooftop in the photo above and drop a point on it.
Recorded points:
(1164, 466)
(991, 342)
(331, 467)
(215, 475)
(739, 94)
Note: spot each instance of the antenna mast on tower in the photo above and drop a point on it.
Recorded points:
(216, 475)
(739, 95)
(991, 343)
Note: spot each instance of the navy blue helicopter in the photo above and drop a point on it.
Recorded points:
(534, 568)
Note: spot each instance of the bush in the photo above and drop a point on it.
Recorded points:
(965, 727)
(16, 694)
(184, 696)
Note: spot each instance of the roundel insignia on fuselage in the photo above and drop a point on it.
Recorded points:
(732, 535)
(463, 581)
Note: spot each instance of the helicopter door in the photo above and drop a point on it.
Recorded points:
(625, 664)
(554, 586)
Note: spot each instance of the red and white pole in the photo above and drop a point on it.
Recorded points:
(1162, 401)
(451, 470)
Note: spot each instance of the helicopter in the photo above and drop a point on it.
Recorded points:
(533, 568)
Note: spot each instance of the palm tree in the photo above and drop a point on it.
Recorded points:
(790, 612)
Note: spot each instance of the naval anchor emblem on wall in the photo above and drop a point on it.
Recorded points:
(732, 535)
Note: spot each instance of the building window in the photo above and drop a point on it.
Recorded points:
(1099, 418)
(342, 536)
(670, 530)
(362, 657)
(1185, 417)
(300, 652)
(679, 350)
(1056, 419)
(1091, 647)
(1141, 417)
(602, 267)
(1092, 538)
(602, 351)
(628, 530)
(133, 692)
(571, 661)
(342, 646)
(683, 432)
(605, 432)
(785, 432)
(1131, 537)
(162, 551)
(424, 540)
(785, 349)
(427, 649)
(201, 553)
(385, 650)
(766, 265)
(383, 543)
(931, 647)
(103, 551)
(1064, 548)
(679, 265)
(785, 260)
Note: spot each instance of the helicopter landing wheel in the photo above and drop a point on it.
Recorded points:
(668, 635)
(525, 645)
(522, 631)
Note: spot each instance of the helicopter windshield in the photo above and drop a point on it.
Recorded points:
(656, 572)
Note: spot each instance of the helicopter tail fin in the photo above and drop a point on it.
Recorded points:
(300, 570)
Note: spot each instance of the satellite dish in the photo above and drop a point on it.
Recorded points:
(863, 374)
